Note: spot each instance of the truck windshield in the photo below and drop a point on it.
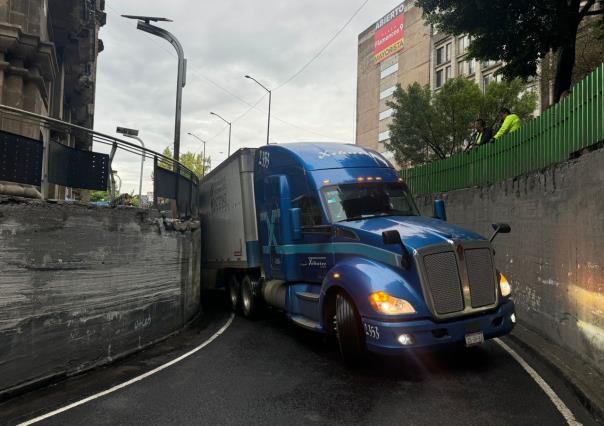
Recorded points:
(364, 200)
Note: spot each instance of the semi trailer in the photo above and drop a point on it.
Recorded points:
(330, 234)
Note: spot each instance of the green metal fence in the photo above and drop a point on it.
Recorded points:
(575, 123)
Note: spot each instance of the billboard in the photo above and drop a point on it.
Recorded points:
(389, 34)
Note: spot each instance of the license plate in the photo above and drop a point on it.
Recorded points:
(474, 339)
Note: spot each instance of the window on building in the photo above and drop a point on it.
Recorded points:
(388, 92)
(386, 114)
(462, 44)
(440, 55)
(488, 64)
(448, 75)
(471, 66)
(384, 136)
(439, 78)
(389, 70)
(461, 68)
(310, 210)
(486, 80)
(448, 52)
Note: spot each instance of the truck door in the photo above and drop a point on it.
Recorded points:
(275, 227)
(315, 256)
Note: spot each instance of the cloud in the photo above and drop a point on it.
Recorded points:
(269, 39)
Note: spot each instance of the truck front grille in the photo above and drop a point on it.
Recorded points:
(458, 279)
(443, 282)
(480, 277)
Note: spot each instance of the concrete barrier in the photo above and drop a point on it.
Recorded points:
(554, 256)
(81, 286)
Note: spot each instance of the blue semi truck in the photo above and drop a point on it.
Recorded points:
(329, 234)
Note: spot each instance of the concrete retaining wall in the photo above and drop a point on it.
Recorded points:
(554, 256)
(80, 286)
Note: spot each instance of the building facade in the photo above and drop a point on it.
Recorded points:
(48, 61)
(48, 54)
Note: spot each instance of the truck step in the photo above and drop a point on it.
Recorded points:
(306, 323)
(309, 297)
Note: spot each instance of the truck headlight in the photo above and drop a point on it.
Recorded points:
(504, 285)
(389, 305)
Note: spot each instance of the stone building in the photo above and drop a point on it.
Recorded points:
(48, 54)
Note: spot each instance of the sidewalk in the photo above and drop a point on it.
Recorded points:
(582, 378)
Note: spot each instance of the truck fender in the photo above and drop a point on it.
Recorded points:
(359, 278)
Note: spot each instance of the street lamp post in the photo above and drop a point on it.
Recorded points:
(270, 95)
(203, 164)
(133, 134)
(230, 127)
(144, 25)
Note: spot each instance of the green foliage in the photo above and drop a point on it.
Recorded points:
(96, 196)
(430, 126)
(517, 32)
(190, 160)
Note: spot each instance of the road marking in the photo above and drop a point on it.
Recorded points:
(560, 405)
(132, 381)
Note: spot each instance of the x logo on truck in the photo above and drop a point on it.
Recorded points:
(270, 226)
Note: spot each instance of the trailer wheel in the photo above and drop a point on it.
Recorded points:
(234, 293)
(250, 301)
(351, 339)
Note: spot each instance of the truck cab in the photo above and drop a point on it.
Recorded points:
(342, 249)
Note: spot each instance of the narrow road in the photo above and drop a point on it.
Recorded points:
(271, 372)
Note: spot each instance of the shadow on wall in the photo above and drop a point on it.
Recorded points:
(81, 286)
(554, 255)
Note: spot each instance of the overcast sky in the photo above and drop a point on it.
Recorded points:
(224, 40)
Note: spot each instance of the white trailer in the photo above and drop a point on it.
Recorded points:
(228, 219)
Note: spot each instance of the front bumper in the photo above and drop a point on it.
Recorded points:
(383, 337)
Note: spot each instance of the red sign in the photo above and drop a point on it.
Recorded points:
(389, 34)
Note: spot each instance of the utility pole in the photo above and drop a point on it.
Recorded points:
(133, 134)
(145, 25)
(270, 95)
(230, 127)
(203, 164)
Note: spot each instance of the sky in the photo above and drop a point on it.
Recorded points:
(224, 40)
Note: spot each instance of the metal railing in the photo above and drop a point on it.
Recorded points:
(39, 151)
(576, 123)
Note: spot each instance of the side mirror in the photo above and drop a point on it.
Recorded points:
(439, 210)
(296, 221)
(393, 237)
(500, 228)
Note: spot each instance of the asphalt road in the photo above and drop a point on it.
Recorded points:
(271, 372)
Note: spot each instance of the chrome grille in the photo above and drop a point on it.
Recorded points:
(443, 282)
(480, 277)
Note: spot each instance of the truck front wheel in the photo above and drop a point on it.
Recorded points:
(351, 339)
(234, 293)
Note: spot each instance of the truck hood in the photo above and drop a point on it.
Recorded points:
(416, 231)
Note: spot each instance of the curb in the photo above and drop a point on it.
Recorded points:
(583, 380)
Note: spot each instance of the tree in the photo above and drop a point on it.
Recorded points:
(96, 196)
(431, 126)
(428, 126)
(519, 33)
(190, 160)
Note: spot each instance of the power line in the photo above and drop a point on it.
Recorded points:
(320, 52)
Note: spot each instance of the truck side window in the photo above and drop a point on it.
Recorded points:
(310, 210)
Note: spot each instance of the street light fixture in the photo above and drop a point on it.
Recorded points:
(270, 95)
(203, 164)
(145, 25)
(133, 134)
(230, 127)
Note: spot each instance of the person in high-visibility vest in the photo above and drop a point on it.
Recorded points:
(482, 134)
(511, 123)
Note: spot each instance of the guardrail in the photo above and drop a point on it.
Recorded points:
(574, 124)
(51, 160)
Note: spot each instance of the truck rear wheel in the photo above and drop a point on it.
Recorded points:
(234, 293)
(351, 339)
(250, 303)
